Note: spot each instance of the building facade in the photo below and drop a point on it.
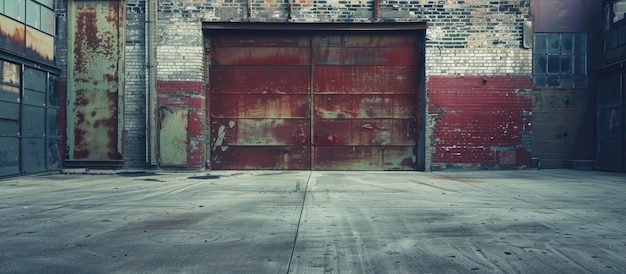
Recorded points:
(29, 94)
(326, 85)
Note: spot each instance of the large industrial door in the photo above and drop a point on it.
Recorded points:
(335, 101)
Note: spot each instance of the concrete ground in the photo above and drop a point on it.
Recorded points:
(530, 221)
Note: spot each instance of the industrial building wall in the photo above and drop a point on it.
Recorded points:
(466, 42)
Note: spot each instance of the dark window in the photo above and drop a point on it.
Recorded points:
(560, 60)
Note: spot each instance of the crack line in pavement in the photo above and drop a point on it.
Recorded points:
(295, 240)
(549, 208)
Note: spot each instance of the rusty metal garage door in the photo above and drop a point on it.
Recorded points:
(336, 101)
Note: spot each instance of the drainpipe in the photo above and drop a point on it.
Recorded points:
(151, 95)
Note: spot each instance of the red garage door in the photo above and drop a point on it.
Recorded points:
(339, 101)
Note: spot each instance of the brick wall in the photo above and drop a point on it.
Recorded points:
(465, 39)
(135, 86)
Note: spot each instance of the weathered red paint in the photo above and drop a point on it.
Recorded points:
(180, 87)
(481, 121)
(188, 94)
(362, 88)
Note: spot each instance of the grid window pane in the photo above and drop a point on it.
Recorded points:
(554, 63)
(540, 64)
(580, 64)
(33, 14)
(48, 21)
(540, 44)
(567, 43)
(566, 64)
(554, 44)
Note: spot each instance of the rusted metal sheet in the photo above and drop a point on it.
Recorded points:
(365, 79)
(361, 109)
(173, 141)
(366, 106)
(260, 132)
(365, 99)
(260, 56)
(266, 106)
(260, 102)
(96, 38)
(263, 157)
(12, 35)
(364, 132)
(364, 158)
(260, 79)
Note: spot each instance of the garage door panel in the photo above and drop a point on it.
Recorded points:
(260, 106)
(364, 158)
(260, 132)
(364, 132)
(364, 56)
(260, 40)
(365, 41)
(330, 106)
(268, 56)
(280, 157)
(365, 79)
(260, 79)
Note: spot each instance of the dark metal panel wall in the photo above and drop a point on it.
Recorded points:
(610, 132)
(365, 95)
(95, 80)
(10, 79)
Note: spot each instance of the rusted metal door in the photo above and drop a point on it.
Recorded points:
(173, 141)
(365, 98)
(260, 94)
(357, 95)
(95, 80)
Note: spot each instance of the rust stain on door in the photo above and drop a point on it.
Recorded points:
(173, 141)
(95, 79)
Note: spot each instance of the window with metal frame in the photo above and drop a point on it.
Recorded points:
(560, 60)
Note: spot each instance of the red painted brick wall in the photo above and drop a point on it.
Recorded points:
(480, 122)
(191, 95)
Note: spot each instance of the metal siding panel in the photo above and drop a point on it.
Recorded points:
(261, 106)
(33, 121)
(364, 132)
(365, 158)
(260, 102)
(9, 156)
(33, 155)
(330, 106)
(260, 132)
(364, 56)
(259, 79)
(267, 56)
(173, 141)
(95, 79)
(356, 78)
(262, 157)
(54, 155)
(365, 79)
